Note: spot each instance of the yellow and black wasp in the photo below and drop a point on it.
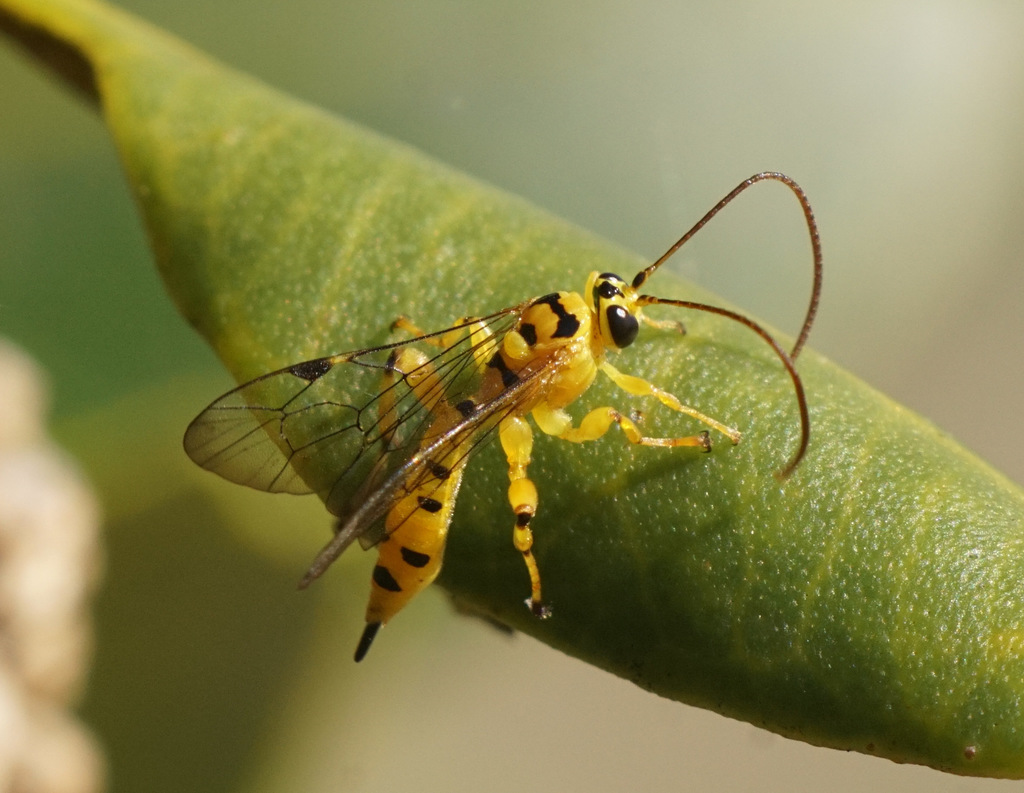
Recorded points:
(383, 435)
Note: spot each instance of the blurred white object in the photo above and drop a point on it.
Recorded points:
(49, 565)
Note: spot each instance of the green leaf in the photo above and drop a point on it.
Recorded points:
(872, 601)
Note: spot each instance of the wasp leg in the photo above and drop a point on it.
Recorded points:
(557, 422)
(481, 339)
(414, 367)
(404, 323)
(664, 324)
(517, 441)
(640, 387)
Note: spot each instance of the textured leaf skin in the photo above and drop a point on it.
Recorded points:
(872, 601)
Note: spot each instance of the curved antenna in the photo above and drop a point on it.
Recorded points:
(786, 358)
(812, 227)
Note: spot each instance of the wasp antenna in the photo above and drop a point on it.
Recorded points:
(812, 227)
(786, 358)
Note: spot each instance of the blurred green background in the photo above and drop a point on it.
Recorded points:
(903, 120)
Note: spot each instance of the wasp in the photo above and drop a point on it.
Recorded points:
(384, 434)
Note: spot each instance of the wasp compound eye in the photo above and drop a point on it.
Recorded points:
(622, 325)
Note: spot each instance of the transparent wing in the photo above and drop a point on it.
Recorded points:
(455, 445)
(342, 425)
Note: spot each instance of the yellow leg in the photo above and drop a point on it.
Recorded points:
(597, 422)
(405, 324)
(640, 387)
(415, 368)
(664, 324)
(517, 441)
(479, 335)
